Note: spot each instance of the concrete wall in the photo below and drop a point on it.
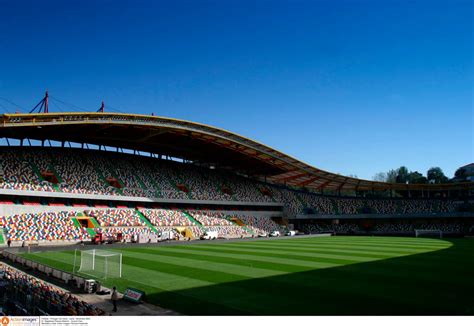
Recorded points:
(9, 209)
(49, 194)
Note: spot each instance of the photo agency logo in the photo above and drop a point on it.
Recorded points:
(5, 321)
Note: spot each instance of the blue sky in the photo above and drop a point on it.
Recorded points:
(353, 87)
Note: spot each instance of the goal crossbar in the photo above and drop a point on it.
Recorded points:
(100, 263)
(419, 232)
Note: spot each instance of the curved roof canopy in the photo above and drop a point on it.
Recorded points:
(191, 141)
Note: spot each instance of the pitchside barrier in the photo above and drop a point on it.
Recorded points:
(66, 277)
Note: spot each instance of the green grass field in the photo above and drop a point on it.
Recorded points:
(305, 276)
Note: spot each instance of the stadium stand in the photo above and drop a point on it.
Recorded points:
(44, 226)
(166, 217)
(105, 173)
(116, 217)
(22, 293)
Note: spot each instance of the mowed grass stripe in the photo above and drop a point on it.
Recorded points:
(132, 270)
(241, 258)
(368, 242)
(374, 246)
(378, 242)
(336, 250)
(346, 246)
(338, 257)
(263, 259)
(354, 239)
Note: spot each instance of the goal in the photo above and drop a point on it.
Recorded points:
(429, 233)
(100, 263)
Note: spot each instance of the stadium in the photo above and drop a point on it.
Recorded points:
(198, 220)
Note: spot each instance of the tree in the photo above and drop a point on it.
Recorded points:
(416, 177)
(392, 176)
(381, 176)
(436, 175)
(402, 175)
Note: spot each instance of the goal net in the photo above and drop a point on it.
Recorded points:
(429, 233)
(101, 263)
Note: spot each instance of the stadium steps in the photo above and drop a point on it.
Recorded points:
(94, 222)
(301, 201)
(91, 232)
(180, 180)
(192, 219)
(156, 188)
(37, 171)
(114, 175)
(437, 206)
(104, 180)
(398, 208)
(55, 172)
(239, 222)
(248, 229)
(76, 222)
(144, 187)
(334, 205)
(235, 220)
(145, 220)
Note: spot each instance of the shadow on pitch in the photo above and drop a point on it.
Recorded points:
(432, 283)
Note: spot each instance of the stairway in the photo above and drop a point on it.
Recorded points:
(94, 222)
(2, 236)
(140, 182)
(146, 221)
(398, 208)
(101, 177)
(37, 171)
(56, 174)
(334, 205)
(241, 224)
(91, 232)
(76, 222)
(192, 219)
(302, 203)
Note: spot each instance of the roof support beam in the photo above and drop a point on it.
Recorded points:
(323, 185)
(291, 177)
(307, 182)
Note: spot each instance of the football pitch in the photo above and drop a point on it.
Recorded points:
(300, 276)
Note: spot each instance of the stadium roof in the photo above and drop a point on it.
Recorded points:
(191, 141)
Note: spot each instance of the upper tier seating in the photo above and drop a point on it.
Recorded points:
(107, 173)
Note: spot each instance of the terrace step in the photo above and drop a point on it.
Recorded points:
(145, 220)
(94, 222)
(140, 182)
(334, 205)
(76, 222)
(55, 172)
(91, 232)
(192, 219)
(37, 171)
(104, 180)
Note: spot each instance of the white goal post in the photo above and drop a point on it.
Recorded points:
(437, 233)
(99, 263)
